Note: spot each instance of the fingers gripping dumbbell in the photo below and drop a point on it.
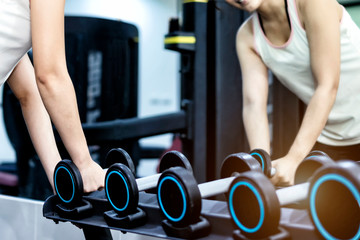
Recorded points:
(265, 162)
(254, 204)
(69, 189)
(68, 185)
(179, 195)
(122, 189)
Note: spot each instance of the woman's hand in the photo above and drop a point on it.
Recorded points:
(285, 171)
(93, 176)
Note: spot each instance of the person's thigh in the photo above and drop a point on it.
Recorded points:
(15, 34)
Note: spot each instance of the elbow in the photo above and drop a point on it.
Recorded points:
(49, 73)
(255, 101)
(329, 91)
(333, 92)
(44, 78)
(247, 105)
(253, 105)
(50, 78)
(333, 87)
(25, 99)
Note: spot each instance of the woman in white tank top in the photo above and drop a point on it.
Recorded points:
(316, 55)
(45, 89)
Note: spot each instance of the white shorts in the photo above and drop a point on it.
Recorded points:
(15, 34)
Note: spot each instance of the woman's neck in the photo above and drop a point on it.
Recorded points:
(271, 10)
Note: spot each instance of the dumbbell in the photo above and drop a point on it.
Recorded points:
(69, 190)
(260, 155)
(265, 161)
(179, 195)
(254, 203)
(334, 201)
(122, 188)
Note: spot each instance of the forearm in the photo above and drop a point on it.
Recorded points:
(59, 99)
(256, 127)
(313, 123)
(40, 130)
(22, 83)
(53, 80)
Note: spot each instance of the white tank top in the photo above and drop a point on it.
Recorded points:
(15, 34)
(290, 63)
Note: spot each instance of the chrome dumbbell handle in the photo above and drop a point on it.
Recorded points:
(293, 194)
(216, 187)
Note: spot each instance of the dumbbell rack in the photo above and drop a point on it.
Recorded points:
(295, 221)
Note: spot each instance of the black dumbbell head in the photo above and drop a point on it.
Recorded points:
(264, 159)
(253, 205)
(174, 159)
(309, 166)
(317, 153)
(238, 163)
(119, 155)
(179, 196)
(334, 201)
(68, 182)
(121, 189)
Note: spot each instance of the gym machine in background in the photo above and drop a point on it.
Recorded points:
(205, 40)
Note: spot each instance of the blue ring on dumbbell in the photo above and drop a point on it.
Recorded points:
(183, 198)
(127, 191)
(72, 181)
(321, 180)
(262, 160)
(261, 206)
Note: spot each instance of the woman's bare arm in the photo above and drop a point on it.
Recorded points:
(55, 86)
(323, 32)
(255, 90)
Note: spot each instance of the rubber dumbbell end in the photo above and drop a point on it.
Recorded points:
(251, 200)
(174, 159)
(310, 165)
(334, 201)
(121, 189)
(265, 161)
(238, 163)
(68, 182)
(119, 155)
(179, 197)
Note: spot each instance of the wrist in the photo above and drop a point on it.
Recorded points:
(296, 156)
(83, 161)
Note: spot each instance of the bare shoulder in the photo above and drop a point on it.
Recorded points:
(244, 36)
(310, 7)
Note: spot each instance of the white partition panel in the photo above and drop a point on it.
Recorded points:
(22, 219)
